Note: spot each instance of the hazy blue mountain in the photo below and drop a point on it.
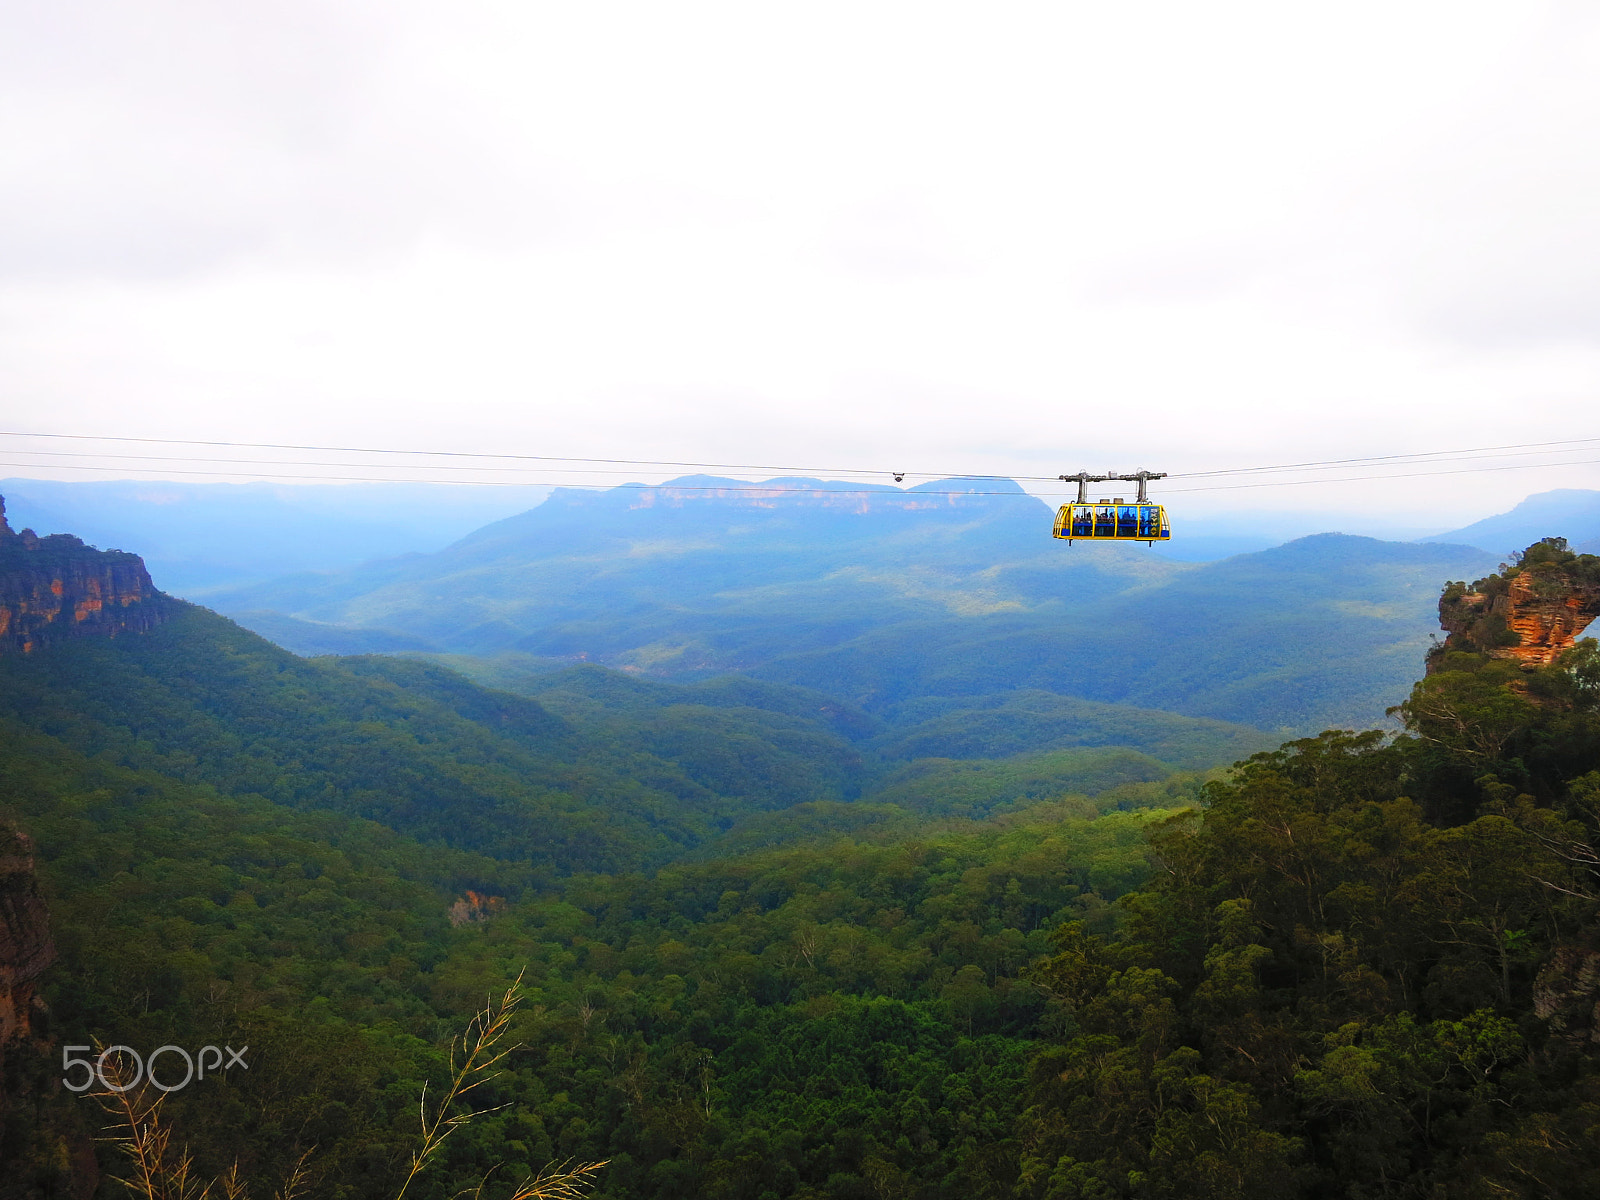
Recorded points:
(200, 536)
(709, 577)
(1219, 535)
(1209, 547)
(880, 596)
(1572, 513)
(1327, 630)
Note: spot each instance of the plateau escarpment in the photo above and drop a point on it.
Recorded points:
(1530, 613)
(56, 587)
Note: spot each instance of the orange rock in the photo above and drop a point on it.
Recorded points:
(41, 578)
(475, 907)
(1529, 616)
(1547, 625)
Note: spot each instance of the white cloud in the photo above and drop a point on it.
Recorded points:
(1020, 238)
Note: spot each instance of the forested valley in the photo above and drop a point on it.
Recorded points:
(773, 945)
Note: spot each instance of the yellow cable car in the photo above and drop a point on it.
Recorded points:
(1113, 520)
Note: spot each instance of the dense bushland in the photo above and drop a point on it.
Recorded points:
(1358, 965)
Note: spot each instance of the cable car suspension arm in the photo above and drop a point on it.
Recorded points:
(1083, 479)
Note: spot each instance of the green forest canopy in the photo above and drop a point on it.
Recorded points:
(1360, 965)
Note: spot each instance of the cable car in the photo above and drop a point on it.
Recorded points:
(1113, 520)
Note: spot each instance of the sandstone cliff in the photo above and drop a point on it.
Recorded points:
(46, 1142)
(1567, 993)
(26, 948)
(475, 907)
(56, 587)
(1529, 613)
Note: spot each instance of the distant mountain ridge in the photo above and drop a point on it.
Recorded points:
(1572, 513)
(1321, 631)
(880, 595)
(720, 546)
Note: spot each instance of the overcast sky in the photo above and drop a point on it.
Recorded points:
(1024, 238)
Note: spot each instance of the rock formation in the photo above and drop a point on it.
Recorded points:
(1529, 613)
(475, 907)
(1567, 993)
(56, 587)
(46, 1142)
(26, 948)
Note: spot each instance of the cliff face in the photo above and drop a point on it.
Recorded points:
(475, 907)
(56, 587)
(1531, 613)
(26, 948)
(1567, 993)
